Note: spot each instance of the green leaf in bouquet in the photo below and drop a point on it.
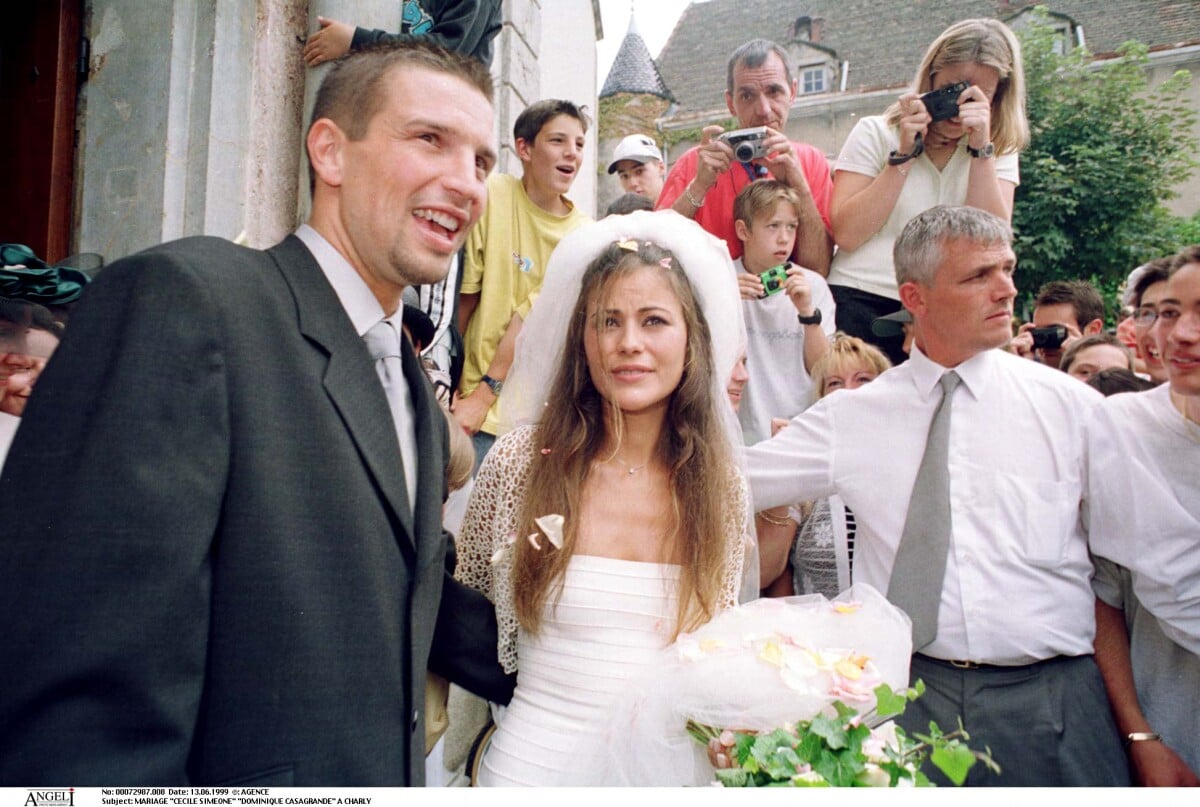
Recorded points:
(888, 703)
(839, 769)
(895, 772)
(832, 730)
(855, 734)
(775, 756)
(743, 745)
(844, 712)
(808, 781)
(734, 777)
(953, 759)
(935, 735)
(767, 744)
(811, 745)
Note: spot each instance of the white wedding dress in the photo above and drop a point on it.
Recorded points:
(614, 617)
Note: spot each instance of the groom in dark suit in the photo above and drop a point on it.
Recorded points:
(213, 568)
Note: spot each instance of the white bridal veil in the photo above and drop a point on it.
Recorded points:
(706, 262)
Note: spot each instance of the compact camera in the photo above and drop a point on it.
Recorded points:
(943, 104)
(1050, 337)
(774, 279)
(747, 144)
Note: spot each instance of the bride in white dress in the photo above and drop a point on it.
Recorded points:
(621, 426)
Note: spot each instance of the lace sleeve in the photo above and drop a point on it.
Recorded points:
(742, 547)
(484, 543)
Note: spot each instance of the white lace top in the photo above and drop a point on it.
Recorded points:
(484, 548)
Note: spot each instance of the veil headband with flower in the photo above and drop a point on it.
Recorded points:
(706, 263)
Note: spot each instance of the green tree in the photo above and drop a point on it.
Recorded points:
(1105, 151)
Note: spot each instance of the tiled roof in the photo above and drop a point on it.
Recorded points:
(883, 40)
(634, 70)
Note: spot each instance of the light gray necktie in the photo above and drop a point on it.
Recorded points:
(920, 567)
(384, 344)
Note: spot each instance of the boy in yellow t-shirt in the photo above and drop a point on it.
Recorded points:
(507, 252)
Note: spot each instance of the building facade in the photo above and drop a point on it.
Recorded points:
(183, 118)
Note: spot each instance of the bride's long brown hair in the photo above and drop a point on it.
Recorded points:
(573, 431)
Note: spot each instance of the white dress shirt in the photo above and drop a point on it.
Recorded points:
(8, 430)
(1144, 504)
(365, 311)
(1016, 588)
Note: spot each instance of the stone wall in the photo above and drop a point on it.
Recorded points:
(189, 122)
(192, 117)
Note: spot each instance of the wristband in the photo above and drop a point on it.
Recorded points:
(770, 519)
(1142, 737)
(895, 158)
(687, 193)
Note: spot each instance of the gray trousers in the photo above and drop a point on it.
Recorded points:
(1047, 724)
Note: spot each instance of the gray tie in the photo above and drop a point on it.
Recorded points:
(920, 567)
(384, 344)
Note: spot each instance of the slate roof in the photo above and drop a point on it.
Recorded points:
(883, 40)
(634, 70)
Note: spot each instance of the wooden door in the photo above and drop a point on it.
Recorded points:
(39, 63)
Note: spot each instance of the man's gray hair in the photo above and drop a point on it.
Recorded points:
(753, 54)
(920, 249)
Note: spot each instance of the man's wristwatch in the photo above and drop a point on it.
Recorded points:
(494, 384)
(985, 153)
(812, 319)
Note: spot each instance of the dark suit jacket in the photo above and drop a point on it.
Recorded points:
(209, 571)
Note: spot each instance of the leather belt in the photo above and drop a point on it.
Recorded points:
(965, 664)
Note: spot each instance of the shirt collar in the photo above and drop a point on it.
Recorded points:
(974, 372)
(352, 291)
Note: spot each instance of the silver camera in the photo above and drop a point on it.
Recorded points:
(747, 144)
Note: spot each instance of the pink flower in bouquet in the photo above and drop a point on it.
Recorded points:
(881, 737)
(854, 679)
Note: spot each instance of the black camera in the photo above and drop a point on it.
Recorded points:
(1050, 337)
(943, 104)
(747, 144)
(774, 279)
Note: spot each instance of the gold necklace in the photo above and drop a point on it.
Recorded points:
(630, 469)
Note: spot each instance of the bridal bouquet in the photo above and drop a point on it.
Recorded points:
(844, 749)
(796, 692)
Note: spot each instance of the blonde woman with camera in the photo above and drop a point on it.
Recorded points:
(953, 139)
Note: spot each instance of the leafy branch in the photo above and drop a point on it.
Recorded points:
(843, 749)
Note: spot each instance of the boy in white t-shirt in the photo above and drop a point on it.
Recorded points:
(789, 318)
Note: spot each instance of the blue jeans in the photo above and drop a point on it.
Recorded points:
(482, 442)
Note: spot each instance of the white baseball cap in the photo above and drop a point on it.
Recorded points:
(636, 147)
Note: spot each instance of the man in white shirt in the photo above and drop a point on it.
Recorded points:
(1011, 653)
(1144, 524)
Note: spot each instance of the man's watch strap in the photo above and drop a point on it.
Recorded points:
(494, 384)
(812, 319)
